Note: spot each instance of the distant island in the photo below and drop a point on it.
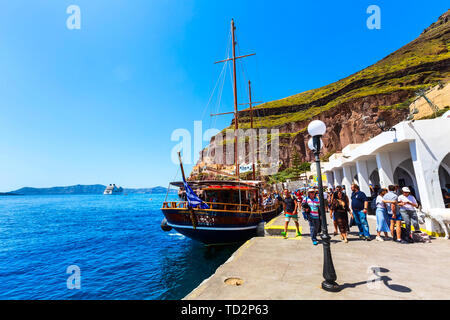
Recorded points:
(83, 189)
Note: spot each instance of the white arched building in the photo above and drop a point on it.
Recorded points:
(414, 153)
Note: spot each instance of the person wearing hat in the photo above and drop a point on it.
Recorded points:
(407, 205)
(310, 206)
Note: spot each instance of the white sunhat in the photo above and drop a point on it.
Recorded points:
(311, 190)
(406, 189)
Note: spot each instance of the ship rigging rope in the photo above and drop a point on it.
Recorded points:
(212, 93)
(214, 120)
(168, 188)
(219, 82)
(219, 97)
(218, 79)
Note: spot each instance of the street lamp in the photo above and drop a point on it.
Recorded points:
(317, 129)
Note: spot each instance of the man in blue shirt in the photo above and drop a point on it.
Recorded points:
(359, 207)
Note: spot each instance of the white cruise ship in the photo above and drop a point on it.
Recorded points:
(113, 189)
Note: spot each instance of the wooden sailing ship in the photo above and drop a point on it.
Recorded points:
(235, 211)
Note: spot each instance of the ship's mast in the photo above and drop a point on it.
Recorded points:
(251, 123)
(236, 116)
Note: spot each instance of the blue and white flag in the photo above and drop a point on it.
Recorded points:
(192, 198)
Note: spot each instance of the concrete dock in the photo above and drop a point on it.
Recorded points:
(272, 268)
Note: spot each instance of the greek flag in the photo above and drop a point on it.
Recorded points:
(192, 198)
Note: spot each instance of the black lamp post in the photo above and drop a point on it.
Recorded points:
(316, 129)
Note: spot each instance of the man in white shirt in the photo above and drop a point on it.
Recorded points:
(407, 205)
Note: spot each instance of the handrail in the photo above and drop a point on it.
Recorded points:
(232, 204)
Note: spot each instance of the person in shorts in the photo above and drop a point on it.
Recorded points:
(394, 214)
(290, 212)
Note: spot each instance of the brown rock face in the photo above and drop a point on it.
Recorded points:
(350, 122)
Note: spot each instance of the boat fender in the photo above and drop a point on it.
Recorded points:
(260, 231)
(165, 226)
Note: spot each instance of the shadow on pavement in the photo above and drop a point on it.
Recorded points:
(372, 282)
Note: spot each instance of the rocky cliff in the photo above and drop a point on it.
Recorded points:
(351, 107)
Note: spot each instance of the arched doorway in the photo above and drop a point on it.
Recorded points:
(404, 177)
(374, 178)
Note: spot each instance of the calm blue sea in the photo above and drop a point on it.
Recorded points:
(116, 241)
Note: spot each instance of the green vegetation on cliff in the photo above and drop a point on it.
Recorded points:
(420, 64)
(351, 106)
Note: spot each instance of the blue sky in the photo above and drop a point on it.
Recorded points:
(99, 104)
